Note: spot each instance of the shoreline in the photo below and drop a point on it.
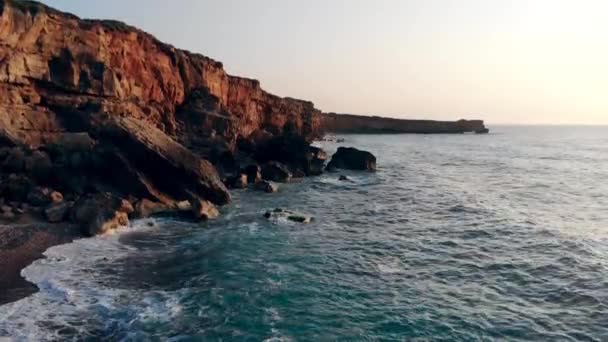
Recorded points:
(20, 246)
(81, 156)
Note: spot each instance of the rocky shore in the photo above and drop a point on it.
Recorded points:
(101, 123)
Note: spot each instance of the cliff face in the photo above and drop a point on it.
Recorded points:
(55, 67)
(346, 123)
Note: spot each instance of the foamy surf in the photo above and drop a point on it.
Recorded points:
(71, 292)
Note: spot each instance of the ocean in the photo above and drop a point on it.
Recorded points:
(501, 236)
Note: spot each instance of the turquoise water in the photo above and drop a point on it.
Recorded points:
(456, 237)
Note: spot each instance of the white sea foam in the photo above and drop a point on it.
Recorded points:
(390, 265)
(70, 287)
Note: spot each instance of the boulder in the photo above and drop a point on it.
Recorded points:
(204, 210)
(99, 213)
(343, 178)
(352, 159)
(57, 212)
(267, 187)
(276, 172)
(295, 152)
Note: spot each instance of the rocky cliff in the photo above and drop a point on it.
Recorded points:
(54, 66)
(101, 122)
(347, 123)
(99, 107)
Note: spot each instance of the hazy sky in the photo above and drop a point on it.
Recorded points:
(517, 61)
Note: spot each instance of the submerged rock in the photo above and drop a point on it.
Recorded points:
(343, 178)
(352, 159)
(287, 214)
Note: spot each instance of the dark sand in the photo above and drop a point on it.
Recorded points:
(21, 244)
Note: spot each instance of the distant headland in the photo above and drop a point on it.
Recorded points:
(349, 123)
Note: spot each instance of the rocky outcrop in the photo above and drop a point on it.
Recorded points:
(347, 123)
(293, 151)
(53, 65)
(101, 122)
(352, 159)
(90, 107)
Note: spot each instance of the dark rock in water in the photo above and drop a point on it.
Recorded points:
(352, 159)
(266, 186)
(287, 214)
(204, 210)
(343, 178)
(300, 219)
(294, 152)
(99, 213)
(276, 172)
(57, 212)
